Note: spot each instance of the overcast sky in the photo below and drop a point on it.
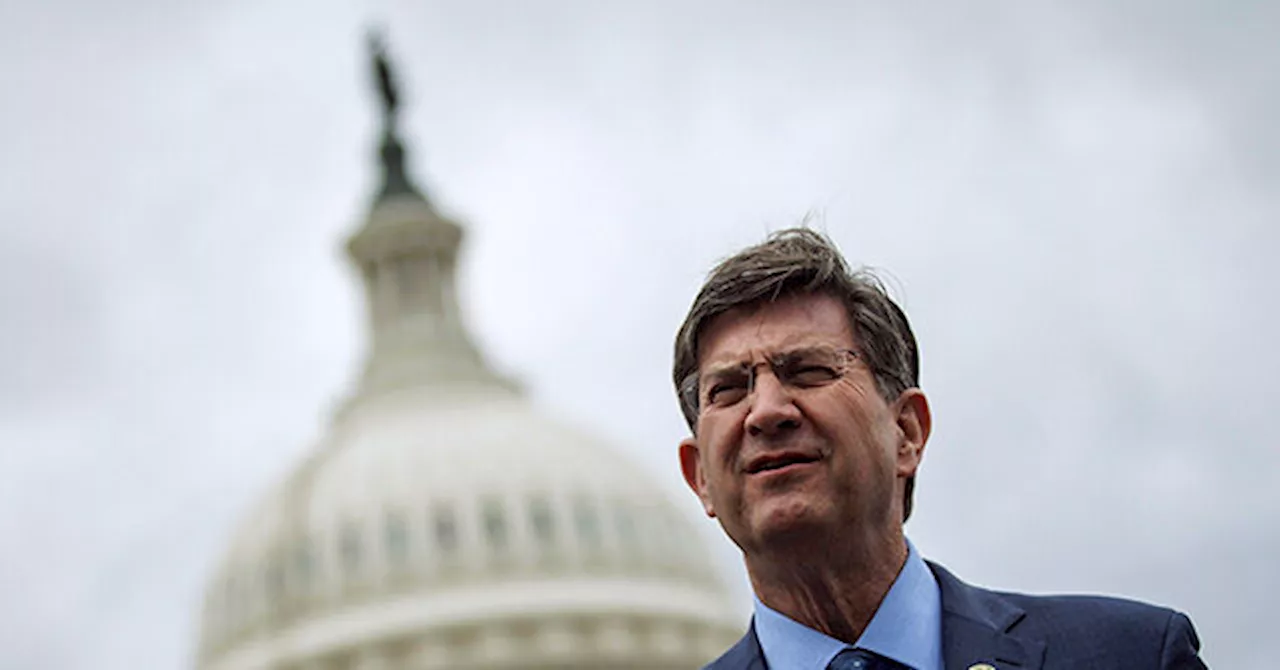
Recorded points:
(1077, 203)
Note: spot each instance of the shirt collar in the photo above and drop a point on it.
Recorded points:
(907, 627)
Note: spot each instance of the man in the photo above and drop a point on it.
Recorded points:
(799, 381)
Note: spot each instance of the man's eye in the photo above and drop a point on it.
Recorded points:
(813, 374)
(726, 393)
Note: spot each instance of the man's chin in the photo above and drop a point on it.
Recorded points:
(791, 522)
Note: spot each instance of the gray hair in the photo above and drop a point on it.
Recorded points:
(800, 261)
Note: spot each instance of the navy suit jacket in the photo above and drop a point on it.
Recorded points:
(1010, 630)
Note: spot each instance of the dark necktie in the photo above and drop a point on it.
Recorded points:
(861, 659)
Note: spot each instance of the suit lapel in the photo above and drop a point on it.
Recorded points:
(977, 627)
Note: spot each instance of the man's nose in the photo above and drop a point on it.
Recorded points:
(772, 410)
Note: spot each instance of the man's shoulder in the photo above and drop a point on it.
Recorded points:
(1091, 615)
(1078, 612)
(1104, 632)
(1089, 629)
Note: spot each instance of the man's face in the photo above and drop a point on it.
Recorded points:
(792, 455)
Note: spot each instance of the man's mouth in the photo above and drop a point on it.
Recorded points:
(778, 461)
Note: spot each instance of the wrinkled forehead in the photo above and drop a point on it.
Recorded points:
(785, 359)
(767, 330)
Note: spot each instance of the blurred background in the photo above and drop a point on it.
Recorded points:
(1075, 202)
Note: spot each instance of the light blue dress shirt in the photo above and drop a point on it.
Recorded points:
(907, 627)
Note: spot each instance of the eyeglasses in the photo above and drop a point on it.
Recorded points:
(728, 385)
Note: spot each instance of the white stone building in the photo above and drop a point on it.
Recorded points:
(443, 522)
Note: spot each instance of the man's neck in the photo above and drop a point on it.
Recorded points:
(835, 597)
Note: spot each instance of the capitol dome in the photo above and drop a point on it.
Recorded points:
(444, 522)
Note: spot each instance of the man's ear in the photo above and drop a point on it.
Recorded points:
(694, 476)
(914, 424)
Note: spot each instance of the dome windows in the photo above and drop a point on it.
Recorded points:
(495, 524)
(304, 565)
(274, 581)
(395, 532)
(349, 549)
(542, 520)
(445, 528)
(586, 521)
(626, 526)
